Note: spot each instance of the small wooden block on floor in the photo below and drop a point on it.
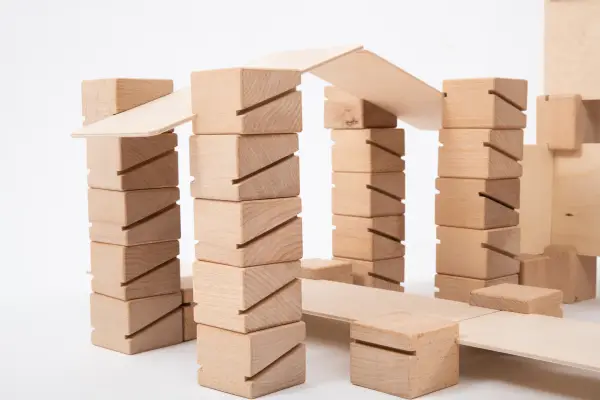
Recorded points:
(367, 150)
(519, 299)
(368, 239)
(329, 270)
(344, 111)
(459, 288)
(562, 121)
(362, 194)
(404, 355)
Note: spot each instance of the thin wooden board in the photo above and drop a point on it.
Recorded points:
(150, 119)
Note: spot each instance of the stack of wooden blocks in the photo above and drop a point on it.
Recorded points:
(368, 179)
(135, 224)
(478, 184)
(246, 186)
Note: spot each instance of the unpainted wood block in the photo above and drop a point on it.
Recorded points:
(592, 108)
(101, 98)
(480, 153)
(562, 121)
(367, 150)
(187, 289)
(363, 194)
(458, 288)
(519, 299)
(477, 203)
(391, 269)
(575, 275)
(479, 254)
(534, 270)
(344, 111)
(286, 372)
(368, 239)
(404, 355)
(329, 270)
(189, 325)
(246, 101)
(485, 103)
(131, 272)
(377, 282)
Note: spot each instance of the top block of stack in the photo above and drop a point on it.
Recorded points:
(344, 111)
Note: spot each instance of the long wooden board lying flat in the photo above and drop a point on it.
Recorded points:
(153, 118)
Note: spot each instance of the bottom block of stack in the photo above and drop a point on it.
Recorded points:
(187, 308)
(459, 288)
(382, 274)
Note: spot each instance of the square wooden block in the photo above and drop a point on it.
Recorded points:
(519, 299)
(367, 150)
(562, 121)
(362, 194)
(391, 269)
(459, 288)
(404, 355)
(328, 270)
(368, 239)
(344, 111)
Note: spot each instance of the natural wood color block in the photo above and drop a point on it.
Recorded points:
(189, 325)
(562, 122)
(187, 289)
(519, 299)
(344, 111)
(480, 153)
(391, 269)
(404, 355)
(592, 108)
(475, 253)
(368, 194)
(368, 238)
(329, 270)
(534, 268)
(459, 288)
(573, 274)
(367, 150)
(377, 282)
(477, 204)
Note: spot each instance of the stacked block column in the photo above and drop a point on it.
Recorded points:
(246, 187)
(368, 180)
(478, 185)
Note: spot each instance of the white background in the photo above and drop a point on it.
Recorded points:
(48, 47)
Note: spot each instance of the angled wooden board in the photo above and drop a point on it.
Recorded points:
(150, 119)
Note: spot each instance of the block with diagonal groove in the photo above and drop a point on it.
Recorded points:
(368, 238)
(391, 269)
(368, 194)
(344, 111)
(368, 150)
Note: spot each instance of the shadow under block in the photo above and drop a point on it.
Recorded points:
(459, 288)
(362, 194)
(480, 153)
(367, 150)
(477, 203)
(390, 270)
(246, 101)
(131, 272)
(562, 122)
(244, 167)
(519, 299)
(573, 274)
(404, 355)
(344, 111)
(485, 103)
(329, 270)
(368, 239)
(479, 254)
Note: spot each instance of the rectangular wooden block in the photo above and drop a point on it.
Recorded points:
(390, 270)
(367, 150)
(562, 121)
(244, 167)
(368, 239)
(477, 204)
(362, 194)
(344, 111)
(377, 282)
(519, 299)
(187, 289)
(480, 153)
(246, 101)
(134, 272)
(479, 254)
(534, 269)
(459, 288)
(329, 270)
(189, 325)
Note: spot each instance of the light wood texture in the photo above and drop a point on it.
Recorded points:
(187, 289)
(391, 269)
(519, 299)
(569, 272)
(477, 204)
(368, 238)
(189, 326)
(480, 254)
(459, 288)
(562, 122)
(367, 150)
(534, 268)
(377, 282)
(329, 270)
(302, 60)
(592, 108)
(368, 194)
(480, 153)
(344, 111)
(282, 307)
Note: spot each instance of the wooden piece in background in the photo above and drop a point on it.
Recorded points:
(391, 269)
(329, 270)
(367, 150)
(519, 299)
(459, 288)
(368, 194)
(368, 238)
(562, 122)
(187, 289)
(592, 108)
(189, 325)
(534, 270)
(575, 275)
(377, 282)
(344, 111)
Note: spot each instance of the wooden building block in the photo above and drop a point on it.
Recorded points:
(344, 111)
(480, 254)
(459, 288)
(187, 289)
(519, 299)
(329, 270)
(480, 153)
(368, 194)
(477, 204)
(592, 108)
(368, 238)
(485, 103)
(390, 270)
(562, 121)
(377, 282)
(573, 274)
(404, 355)
(134, 272)
(367, 150)
(189, 325)
(246, 101)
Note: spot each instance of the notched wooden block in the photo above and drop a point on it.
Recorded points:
(377, 282)
(344, 111)
(368, 239)
(328, 270)
(459, 288)
(391, 270)
(362, 194)
(367, 150)
(519, 299)
(562, 122)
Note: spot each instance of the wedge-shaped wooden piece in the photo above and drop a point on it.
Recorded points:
(519, 299)
(189, 325)
(329, 270)
(368, 239)
(368, 195)
(562, 122)
(477, 204)
(281, 307)
(368, 150)
(187, 289)
(458, 288)
(391, 269)
(377, 282)
(302, 60)
(569, 272)
(485, 103)
(344, 111)
(404, 355)
(480, 153)
(475, 253)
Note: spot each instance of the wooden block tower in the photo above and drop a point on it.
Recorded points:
(368, 180)
(478, 184)
(135, 224)
(246, 186)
